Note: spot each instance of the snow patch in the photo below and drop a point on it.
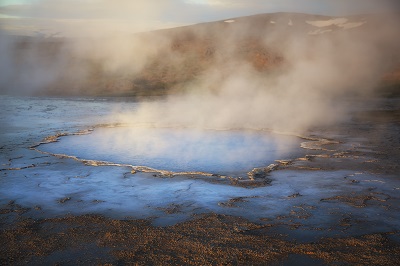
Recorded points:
(340, 22)
(229, 21)
(327, 23)
(352, 25)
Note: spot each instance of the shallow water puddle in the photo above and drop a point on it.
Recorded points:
(180, 150)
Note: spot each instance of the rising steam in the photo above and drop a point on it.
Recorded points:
(307, 88)
(278, 71)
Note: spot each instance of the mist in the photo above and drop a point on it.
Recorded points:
(283, 71)
(305, 80)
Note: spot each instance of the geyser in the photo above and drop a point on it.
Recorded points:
(228, 152)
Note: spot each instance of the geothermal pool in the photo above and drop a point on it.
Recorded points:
(227, 152)
(41, 185)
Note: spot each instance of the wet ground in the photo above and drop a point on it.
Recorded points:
(331, 198)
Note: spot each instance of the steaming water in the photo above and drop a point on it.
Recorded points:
(61, 185)
(178, 149)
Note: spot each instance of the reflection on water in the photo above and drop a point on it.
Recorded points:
(179, 150)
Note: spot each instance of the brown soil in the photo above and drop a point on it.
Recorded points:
(206, 240)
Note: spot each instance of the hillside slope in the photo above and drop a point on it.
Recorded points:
(172, 60)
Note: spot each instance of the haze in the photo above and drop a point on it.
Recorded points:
(209, 74)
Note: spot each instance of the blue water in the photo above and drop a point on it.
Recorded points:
(180, 150)
(112, 191)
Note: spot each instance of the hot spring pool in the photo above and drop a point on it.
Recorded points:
(180, 150)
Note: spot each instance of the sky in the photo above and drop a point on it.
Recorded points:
(50, 16)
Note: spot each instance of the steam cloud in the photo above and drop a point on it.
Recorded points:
(300, 86)
(308, 88)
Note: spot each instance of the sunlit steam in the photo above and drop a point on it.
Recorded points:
(285, 72)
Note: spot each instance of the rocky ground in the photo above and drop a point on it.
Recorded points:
(206, 240)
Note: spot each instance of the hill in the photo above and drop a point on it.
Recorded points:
(205, 55)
